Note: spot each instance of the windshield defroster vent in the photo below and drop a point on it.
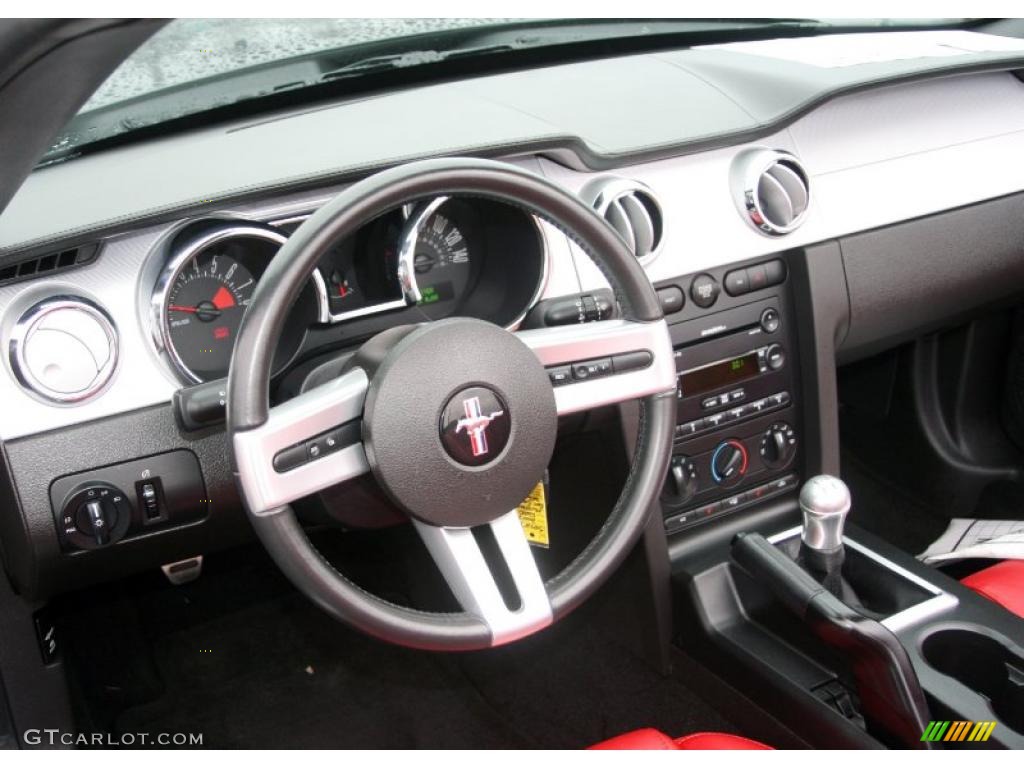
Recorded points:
(632, 210)
(47, 263)
(771, 189)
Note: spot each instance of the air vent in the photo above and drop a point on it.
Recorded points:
(771, 190)
(48, 262)
(632, 210)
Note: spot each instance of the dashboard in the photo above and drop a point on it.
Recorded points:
(784, 206)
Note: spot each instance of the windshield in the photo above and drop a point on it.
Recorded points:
(193, 49)
(197, 66)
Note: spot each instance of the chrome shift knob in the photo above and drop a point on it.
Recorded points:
(824, 502)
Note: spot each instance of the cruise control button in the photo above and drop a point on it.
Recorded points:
(560, 375)
(290, 458)
(632, 361)
(704, 290)
(591, 369)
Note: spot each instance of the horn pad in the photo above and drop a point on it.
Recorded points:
(459, 422)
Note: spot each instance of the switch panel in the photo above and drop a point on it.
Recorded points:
(100, 507)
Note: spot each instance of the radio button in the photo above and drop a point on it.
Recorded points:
(757, 276)
(704, 290)
(714, 420)
(770, 320)
(779, 399)
(775, 356)
(672, 299)
(736, 395)
(775, 271)
(736, 283)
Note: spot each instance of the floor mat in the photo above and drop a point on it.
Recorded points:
(242, 658)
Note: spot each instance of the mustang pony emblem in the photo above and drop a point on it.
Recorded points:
(475, 423)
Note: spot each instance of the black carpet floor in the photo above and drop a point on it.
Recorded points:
(241, 658)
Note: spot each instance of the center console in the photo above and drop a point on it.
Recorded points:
(737, 438)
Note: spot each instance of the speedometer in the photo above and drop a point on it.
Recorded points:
(203, 293)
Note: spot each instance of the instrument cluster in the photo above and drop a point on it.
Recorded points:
(426, 261)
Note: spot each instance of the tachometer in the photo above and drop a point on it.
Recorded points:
(203, 293)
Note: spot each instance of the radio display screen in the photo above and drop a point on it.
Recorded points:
(717, 375)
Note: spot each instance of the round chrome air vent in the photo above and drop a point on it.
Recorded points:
(64, 349)
(631, 209)
(771, 190)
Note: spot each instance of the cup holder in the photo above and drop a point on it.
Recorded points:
(984, 665)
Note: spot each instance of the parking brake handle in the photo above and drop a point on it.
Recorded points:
(889, 689)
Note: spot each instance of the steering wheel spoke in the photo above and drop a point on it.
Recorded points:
(462, 563)
(308, 443)
(605, 362)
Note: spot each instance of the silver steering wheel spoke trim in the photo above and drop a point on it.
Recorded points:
(296, 421)
(566, 344)
(459, 558)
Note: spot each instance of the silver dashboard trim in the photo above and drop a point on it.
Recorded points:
(19, 335)
(940, 602)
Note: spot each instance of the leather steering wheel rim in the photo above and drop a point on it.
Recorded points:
(249, 383)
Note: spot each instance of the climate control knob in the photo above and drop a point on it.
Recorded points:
(729, 463)
(681, 484)
(778, 446)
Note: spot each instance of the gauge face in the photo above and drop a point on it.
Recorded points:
(441, 260)
(203, 293)
(205, 304)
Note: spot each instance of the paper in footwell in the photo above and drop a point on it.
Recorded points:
(966, 538)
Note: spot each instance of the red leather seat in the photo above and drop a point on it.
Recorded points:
(649, 738)
(1002, 583)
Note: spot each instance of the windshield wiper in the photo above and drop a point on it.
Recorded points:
(375, 64)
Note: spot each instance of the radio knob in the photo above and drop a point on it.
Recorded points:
(775, 356)
(681, 484)
(778, 446)
(729, 463)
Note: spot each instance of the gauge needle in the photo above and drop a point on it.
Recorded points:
(176, 308)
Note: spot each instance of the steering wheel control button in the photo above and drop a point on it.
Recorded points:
(475, 426)
(704, 290)
(591, 369)
(671, 298)
(64, 349)
(770, 320)
(559, 375)
(632, 361)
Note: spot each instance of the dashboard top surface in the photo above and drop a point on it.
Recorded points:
(604, 113)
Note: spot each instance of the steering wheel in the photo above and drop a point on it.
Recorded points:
(456, 419)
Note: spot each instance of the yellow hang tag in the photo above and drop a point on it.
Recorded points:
(533, 515)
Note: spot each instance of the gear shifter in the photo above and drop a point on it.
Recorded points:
(824, 502)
